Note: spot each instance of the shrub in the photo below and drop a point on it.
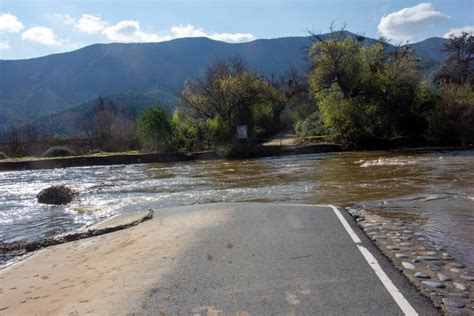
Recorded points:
(95, 151)
(155, 129)
(20, 151)
(58, 151)
(452, 119)
(59, 140)
(311, 126)
(3, 156)
(220, 131)
(190, 133)
(262, 115)
(238, 149)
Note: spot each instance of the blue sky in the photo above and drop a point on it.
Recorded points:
(39, 27)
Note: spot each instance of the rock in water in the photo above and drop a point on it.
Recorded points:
(57, 195)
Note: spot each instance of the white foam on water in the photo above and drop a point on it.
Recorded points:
(388, 162)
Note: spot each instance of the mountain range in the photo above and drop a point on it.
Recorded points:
(60, 84)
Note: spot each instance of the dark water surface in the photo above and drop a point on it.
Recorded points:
(436, 186)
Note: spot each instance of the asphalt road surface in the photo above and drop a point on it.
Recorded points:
(282, 259)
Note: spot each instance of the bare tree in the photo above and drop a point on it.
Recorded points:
(105, 116)
(13, 139)
(31, 134)
(100, 122)
(458, 67)
(85, 126)
(12, 133)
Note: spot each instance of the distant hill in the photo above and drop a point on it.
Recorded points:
(33, 87)
(430, 49)
(64, 121)
(430, 54)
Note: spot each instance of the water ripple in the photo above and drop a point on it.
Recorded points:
(436, 185)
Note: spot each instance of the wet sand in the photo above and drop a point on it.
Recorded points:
(98, 274)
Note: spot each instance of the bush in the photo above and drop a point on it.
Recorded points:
(238, 149)
(220, 131)
(191, 134)
(311, 126)
(58, 151)
(262, 115)
(20, 151)
(156, 130)
(451, 120)
(3, 156)
(59, 140)
(96, 151)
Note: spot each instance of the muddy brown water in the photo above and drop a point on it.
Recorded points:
(435, 186)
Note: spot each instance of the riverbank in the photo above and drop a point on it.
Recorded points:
(226, 258)
(11, 251)
(429, 267)
(137, 158)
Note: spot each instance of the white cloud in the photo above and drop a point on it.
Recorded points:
(10, 23)
(5, 45)
(233, 37)
(180, 31)
(90, 24)
(64, 18)
(459, 31)
(408, 22)
(129, 31)
(42, 35)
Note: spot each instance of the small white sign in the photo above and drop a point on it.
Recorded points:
(242, 132)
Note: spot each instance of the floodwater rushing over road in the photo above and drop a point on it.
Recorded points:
(435, 186)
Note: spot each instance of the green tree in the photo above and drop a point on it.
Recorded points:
(305, 115)
(191, 133)
(364, 93)
(451, 121)
(451, 118)
(156, 130)
(229, 95)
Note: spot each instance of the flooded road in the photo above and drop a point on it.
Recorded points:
(435, 186)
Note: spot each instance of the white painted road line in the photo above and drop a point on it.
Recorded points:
(401, 301)
(346, 225)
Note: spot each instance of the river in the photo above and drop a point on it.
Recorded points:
(437, 187)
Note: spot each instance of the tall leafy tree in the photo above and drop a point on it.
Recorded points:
(364, 91)
(451, 121)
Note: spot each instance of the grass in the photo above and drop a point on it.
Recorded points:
(101, 154)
